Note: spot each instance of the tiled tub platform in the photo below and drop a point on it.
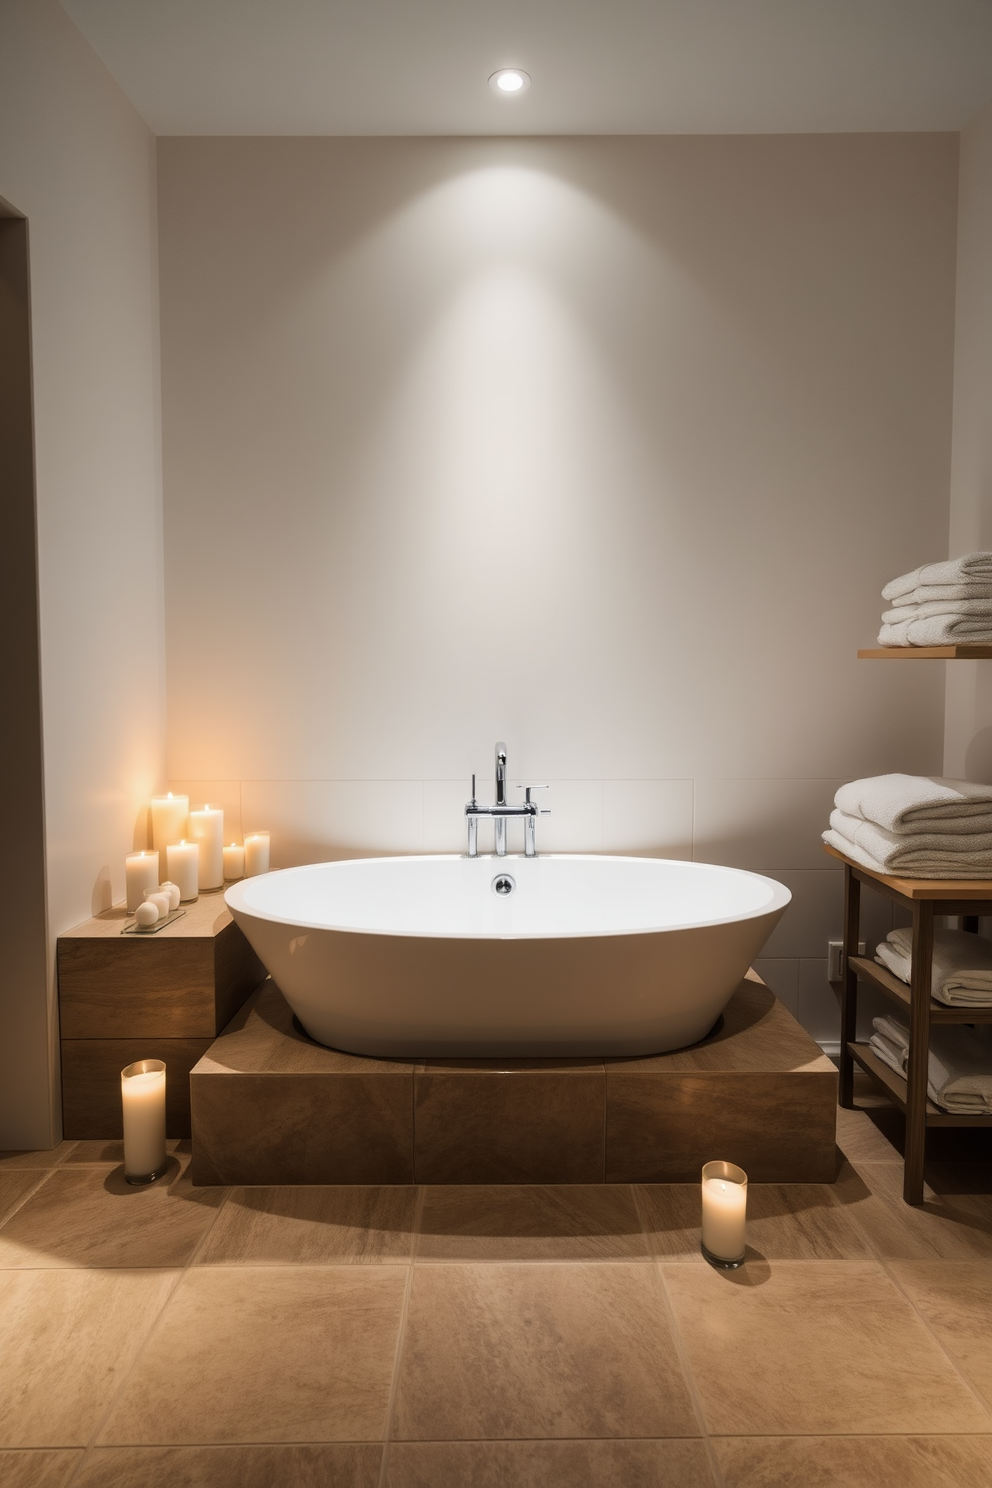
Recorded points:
(269, 1106)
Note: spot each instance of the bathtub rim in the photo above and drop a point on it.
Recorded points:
(234, 898)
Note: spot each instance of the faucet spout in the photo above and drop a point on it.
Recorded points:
(499, 822)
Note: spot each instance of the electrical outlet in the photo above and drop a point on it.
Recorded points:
(835, 958)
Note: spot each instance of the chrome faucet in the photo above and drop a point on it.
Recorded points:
(500, 810)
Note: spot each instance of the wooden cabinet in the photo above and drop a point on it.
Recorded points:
(162, 996)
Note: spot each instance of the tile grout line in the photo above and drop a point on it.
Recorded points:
(959, 1370)
(680, 1352)
(401, 1335)
(181, 1274)
(18, 1204)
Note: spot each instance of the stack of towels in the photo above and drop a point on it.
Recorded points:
(962, 965)
(959, 1074)
(914, 826)
(941, 604)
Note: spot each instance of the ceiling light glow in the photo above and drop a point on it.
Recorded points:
(509, 81)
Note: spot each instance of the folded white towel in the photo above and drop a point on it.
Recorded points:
(925, 865)
(948, 595)
(939, 630)
(934, 607)
(959, 1068)
(918, 803)
(888, 1053)
(973, 848)
(972, 568)
(962, 965)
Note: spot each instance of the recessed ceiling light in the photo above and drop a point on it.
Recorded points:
(509, 81)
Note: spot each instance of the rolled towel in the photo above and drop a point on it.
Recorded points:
(919, 865)
(918, 803)
(972, 568)
(962, 965)
(959, 1067)
(939, 630)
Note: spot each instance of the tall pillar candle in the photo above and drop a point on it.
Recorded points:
(206, 827)
(143, 1099)
(169, 820)
(256, 854)
(724, 1210)
(140, 877)
(182, 865)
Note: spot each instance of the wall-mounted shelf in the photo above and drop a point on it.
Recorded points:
(927, 653)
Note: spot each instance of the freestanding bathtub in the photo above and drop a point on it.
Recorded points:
(554, 955)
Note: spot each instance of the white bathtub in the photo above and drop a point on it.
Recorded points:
(585, 956)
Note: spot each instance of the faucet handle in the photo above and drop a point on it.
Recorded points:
(545, 810)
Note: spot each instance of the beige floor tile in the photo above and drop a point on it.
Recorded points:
(855, 1461)
(945, 1226)
(86, 1152)
(313, 1226)
(294, 1354)
(48, 1158)
(563, 1222)
(37, 1468)
(549, 1464)
(814, 1347)
(232, 1467)
(93, 1217)
(69, 1338)
(785, 1222)
(547, 1351)
(955, 1297)
(14, 1185)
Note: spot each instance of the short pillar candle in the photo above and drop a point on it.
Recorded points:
(256, 854)
(140, 877)
(182, 865)
(169, 814)
(724, 1211)
(206, 827)
(234, 861)
(143, 1099)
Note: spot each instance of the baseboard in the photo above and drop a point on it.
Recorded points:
(830, 1047)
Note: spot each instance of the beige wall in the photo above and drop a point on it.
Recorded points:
(968, 741)
(78, 162)
(601, 446)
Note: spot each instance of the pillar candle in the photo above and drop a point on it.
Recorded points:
(207, 828)
(183, 867)
(169, 815)
(140, 877)
(256, 854)
(143, 1098)
(234, 861)
(724, 1209)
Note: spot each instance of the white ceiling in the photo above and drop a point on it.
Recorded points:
(598, 66)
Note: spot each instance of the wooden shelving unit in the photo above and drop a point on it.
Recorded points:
(924, 897)
(927, 653)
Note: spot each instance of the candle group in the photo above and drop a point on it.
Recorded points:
(724, 1211)
(143, 1100)
(191, 844)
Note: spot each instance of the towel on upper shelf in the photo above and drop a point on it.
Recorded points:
(973, 568)
(968, 852)
(918, 803)
(928, 609)
(962, 965)
(959, 1068)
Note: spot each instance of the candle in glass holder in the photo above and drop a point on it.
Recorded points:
(183, 864)
(724, 1210)
(141, 877)
(256, 854)
(234, 861)
(143, 1099)
(207, 828)
(169, 815)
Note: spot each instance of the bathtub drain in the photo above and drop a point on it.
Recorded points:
(503, 884)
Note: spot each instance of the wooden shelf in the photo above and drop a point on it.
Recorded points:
(883, 979)
(927, 653)
(895, 1087)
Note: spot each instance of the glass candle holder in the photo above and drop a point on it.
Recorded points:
(724, 1211)
(143, 1099)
